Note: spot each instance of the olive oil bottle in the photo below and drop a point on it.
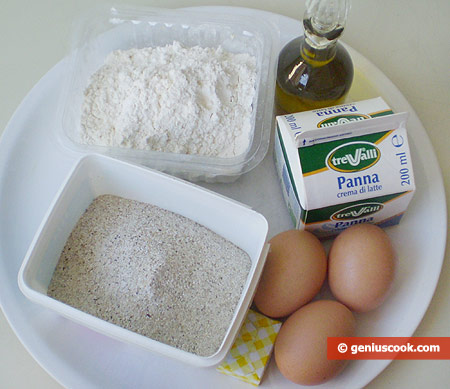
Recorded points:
(315, 70)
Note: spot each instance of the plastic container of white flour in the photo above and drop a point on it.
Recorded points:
(95, 175)
(114, 29)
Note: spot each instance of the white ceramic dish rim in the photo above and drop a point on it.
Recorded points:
(54, 357)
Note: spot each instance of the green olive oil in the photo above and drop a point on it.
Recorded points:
(315, 70)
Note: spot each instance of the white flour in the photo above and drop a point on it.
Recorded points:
(172, 99)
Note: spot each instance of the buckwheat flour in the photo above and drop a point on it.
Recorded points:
(153, 272)
(189, 100)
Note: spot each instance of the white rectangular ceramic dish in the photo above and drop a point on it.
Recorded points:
(124, 28)
(95, 175)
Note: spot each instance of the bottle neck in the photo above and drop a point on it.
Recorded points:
(316, 56)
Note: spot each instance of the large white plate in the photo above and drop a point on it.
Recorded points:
(33, 164)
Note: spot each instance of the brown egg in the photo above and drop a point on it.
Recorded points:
(301, 345)
(295, 270)
(361, 267)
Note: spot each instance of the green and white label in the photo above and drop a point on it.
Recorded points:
(357, 211)
(341, 119)
(353, 157)
(355, 171)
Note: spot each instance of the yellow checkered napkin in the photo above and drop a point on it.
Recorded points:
(251, 351)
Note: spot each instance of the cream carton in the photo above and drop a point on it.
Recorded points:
(344, 165)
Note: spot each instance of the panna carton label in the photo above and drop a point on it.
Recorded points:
(356, 211)
(353, 157)
(353, 171)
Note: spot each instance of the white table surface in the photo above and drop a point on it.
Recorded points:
(406, 39)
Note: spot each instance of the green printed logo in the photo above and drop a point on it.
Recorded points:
(353, 157)
(357, 211)
(341, 119)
